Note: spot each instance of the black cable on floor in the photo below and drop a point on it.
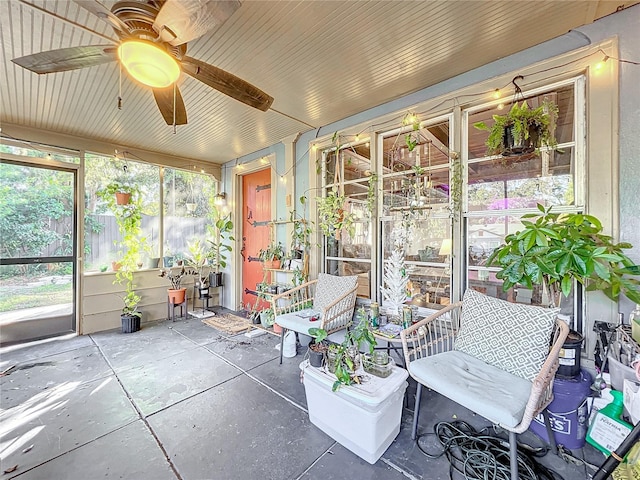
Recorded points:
(478, 456)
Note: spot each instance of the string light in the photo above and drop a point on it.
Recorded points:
(500, 106)
(357, 137)
(496, 93)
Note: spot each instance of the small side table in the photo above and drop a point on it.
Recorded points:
(171, 309)
(204, 298)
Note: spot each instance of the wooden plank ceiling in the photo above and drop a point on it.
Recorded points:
(321, 60)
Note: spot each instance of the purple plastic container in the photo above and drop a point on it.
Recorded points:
(568, 412)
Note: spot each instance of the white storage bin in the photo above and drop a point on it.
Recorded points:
(363, 418)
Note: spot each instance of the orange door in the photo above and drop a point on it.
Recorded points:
(256, 210)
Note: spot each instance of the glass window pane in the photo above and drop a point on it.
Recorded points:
(355, 163)
(519, 182)
(101, 230)
(418, 194)
(426, 147)
(351, 267)
(188, 203)
(52, 153)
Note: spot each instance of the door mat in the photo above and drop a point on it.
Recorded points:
(229, 323)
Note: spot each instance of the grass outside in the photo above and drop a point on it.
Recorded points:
(18, 297)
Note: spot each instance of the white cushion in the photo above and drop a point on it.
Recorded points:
(293, 321)
(496, 395)
(510, 336)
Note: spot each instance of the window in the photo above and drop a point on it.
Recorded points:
(186, 207)
(499, 190)
(415, 198)
(348, 170)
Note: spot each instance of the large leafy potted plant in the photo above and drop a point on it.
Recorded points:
(554, 249)
(131, 246)
(522, 130)
(198, 259)
(220, 237)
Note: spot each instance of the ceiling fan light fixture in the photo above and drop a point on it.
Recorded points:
(148, 63)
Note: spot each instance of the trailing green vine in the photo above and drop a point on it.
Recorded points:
(372, 185)
(455, 190)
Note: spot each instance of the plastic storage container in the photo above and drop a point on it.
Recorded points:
(568, 411)
(363, 418)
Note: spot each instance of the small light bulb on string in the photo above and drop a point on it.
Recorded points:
(357, 137)
(600, 65)
(496, 93)
(264, 161)
(202, 170)
(48, 156)
(314, 147)
(500, 106)
(283, 179)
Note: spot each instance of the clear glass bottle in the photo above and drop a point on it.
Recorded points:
(634, 320)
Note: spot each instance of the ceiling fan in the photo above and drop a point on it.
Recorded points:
(152, 47)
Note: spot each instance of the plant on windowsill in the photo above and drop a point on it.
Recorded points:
(553, 249)
(130, 249)
(522, 130)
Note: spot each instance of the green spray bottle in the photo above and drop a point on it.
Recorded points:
(608, 430)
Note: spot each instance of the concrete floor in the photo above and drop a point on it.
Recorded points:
(185, 401)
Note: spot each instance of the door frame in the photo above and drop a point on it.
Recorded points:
(78, 225)
(238, 172)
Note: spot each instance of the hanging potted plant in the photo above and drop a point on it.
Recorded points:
(522, 130)
(333, 217)
(121, 191)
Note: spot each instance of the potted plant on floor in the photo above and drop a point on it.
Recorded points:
(553, 249)
(197, 259)
(220, 239)
(317, 347)
(522, 130)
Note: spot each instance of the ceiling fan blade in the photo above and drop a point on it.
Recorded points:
(164, 99)
(180, 21)
(227, 83)
(67, 58)
(103, 13)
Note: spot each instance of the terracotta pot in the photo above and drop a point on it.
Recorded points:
(177, 296)
(275, 264)
(115, 266)
(277, 328)
(123, 198)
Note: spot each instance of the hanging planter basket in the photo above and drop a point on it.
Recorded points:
(519, 146)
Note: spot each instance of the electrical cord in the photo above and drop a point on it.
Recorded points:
(479, 456)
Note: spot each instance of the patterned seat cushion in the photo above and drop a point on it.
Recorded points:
(509, 336)
(330, 287)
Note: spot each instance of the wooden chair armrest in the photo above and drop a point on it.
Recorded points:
(542, 387)
(293, 300)
(339, 313)
(431, 335)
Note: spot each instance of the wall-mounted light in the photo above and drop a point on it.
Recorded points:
(220, 200)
